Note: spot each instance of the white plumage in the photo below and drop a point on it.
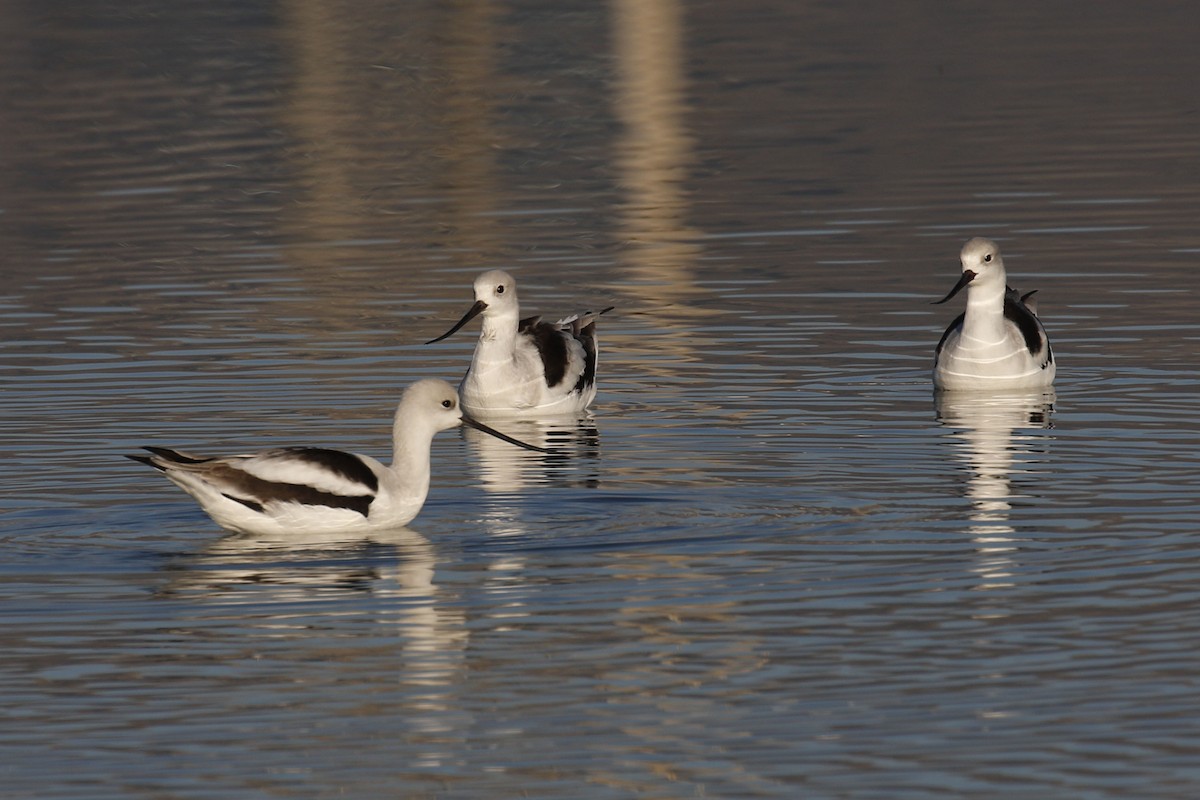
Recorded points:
(526, 367)
(308, 490)
(998, 342)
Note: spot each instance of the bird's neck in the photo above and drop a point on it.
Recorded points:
(410, 453)
(498, 336)
(985, 312)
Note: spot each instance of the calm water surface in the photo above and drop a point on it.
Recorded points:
(774, 564)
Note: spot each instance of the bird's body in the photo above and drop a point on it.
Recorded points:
(526, 367)
(998, 342)
(304, 490)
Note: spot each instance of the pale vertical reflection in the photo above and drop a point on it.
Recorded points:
(288, 572)
(320, 112)
(655, 151)
(507, 470)
(433, 650)
(504, 469)
(510, 476)
(989, 442)
(468, 152)
(434, 634)
(437, 132)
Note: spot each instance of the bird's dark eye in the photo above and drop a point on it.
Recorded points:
(447, 404)
(987, 259)
(500, 289)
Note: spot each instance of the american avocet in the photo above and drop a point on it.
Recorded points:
(998, 342)
(306, 490)
(526, 367)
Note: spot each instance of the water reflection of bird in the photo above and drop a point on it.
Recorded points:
(417, 631)
(989, 443)
(300, 490)
(998, 342)
(526, 367)
(574, 445)
(289, 565)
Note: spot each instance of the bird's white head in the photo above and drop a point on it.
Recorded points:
(498, 290)
(496, 299)
(982, 267)
(432, 405)
(982, 257)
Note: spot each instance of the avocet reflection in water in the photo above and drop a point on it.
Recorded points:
(572, 460)
(1001, 439)
(382, 582)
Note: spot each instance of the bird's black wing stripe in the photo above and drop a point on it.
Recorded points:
(552, 349)
(250, 504)
(345, 465)
(587, 338)
(250, 490)
(1026, 323)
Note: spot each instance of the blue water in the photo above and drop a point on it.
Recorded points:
(774, 564)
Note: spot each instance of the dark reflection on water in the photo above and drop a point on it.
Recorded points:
(763, 565)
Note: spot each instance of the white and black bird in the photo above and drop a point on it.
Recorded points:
(998, 342)
(307, 490)
(526, 367)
